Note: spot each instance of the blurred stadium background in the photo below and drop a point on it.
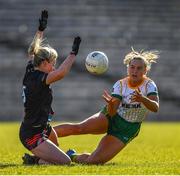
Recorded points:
(109, 26)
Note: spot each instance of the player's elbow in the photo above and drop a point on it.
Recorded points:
(156, 108)
(54, 76)
(61, 75)
(62, 72)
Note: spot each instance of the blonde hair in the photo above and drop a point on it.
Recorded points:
(40, 50)
(148, 57)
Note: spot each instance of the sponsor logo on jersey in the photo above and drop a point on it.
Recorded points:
(124, 105)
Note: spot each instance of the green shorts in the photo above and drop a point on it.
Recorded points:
(122, 129)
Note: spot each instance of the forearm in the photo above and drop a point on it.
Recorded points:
(62, 71)
(65, 67)
(150, 104)
(38, 36)
(113, 106)
(111, 110)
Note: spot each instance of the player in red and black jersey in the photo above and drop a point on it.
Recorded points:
(36, 134)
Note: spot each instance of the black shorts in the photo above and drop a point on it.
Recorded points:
(31, 137)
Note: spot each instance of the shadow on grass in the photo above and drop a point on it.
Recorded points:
(6, 165)
(121, 165)
(124, 165)
(90, 165)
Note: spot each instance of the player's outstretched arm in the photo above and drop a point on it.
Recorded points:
(65, 67)
(151, 102)
(39, 34)
(112, 103)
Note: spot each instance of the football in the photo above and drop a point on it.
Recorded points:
(97, 62)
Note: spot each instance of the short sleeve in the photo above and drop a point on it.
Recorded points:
(42, 78)
(117, 90)
(151, 88)
(30, 66)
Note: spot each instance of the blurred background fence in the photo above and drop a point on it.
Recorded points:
(111, 26)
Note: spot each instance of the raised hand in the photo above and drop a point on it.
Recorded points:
(107, 97)
(75, 46)
(137, 96)
(112, 103)
(43, 20)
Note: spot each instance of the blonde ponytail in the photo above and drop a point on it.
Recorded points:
(35, 44)
(40, 50)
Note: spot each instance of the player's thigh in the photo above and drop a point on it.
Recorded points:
(108, 147)
(53, 137)
(49, 152)
(96, 124)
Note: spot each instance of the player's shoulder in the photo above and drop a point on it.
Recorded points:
(119, 81)
(123, 81)
(151, 87)
(149, 81)
(30, 66)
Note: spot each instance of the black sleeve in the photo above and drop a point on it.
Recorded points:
(30, 66)
(42, 79)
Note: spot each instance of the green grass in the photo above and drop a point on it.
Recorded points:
(155, 151)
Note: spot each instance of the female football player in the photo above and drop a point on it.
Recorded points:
(36, 134)
(127, 106)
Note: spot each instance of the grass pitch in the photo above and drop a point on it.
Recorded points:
(155, 151)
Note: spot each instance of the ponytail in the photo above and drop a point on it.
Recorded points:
(41, 51)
